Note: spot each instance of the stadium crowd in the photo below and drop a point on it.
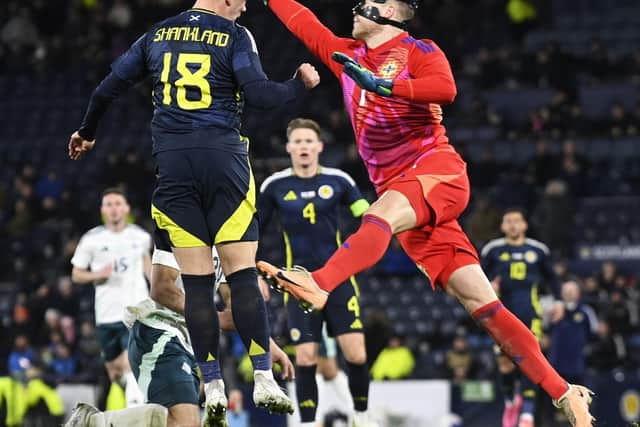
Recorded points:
(525, 121)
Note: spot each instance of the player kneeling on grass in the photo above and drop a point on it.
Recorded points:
(162, 359)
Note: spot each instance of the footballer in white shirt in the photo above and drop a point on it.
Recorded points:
(115, 258)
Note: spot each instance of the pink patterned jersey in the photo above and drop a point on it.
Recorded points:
(391, 132)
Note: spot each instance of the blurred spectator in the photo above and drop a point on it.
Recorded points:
(120, 14)
(20, 32)
(49, 186)
(394, 362)
(573, 168)
(593, 295)
(553, 218)
(63, 364)
(607, 275)
(483, 221)
(618, 313)
(63, 298)
(543, 164)
(460, 360)
(237, 416)
(570, 335)
(21, 357)
(609, 351)
(21, 222)
(377, 333)
(522, 14)
(395, 261)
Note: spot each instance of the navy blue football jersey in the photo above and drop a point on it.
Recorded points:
(198, 63)
(308, 212)
(522, 269)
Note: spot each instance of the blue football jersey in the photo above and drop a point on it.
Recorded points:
(521, 270)
(198, 63)
(308, 212)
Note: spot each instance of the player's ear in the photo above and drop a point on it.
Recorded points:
(288, 147)
(320, 146)
(389, 11)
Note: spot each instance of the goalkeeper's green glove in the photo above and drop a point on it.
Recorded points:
(362, 76)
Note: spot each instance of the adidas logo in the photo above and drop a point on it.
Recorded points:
(309, 403)
(291, 195)
(357, 324)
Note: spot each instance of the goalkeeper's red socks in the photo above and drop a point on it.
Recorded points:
(360, 251)
(517, 342)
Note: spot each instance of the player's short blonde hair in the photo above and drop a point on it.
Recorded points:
(302, 123)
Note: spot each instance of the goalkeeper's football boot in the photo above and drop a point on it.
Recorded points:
(298, 282)
(575, 405)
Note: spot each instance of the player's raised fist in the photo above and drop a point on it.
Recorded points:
(309, 75)
(78, 146)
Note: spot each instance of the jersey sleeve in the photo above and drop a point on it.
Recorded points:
(260, 92)
(316, 37)
(431, 77)
(353, 198)
(266, 206)
(83, 255)
(132, 65)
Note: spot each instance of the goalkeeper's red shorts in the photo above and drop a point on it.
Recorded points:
(437, 187)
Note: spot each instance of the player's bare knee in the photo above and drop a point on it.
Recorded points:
(470, 286)
(394, 208)
(237, 256)
(306, 354)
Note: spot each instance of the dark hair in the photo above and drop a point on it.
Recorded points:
(114, 190)
(511, 210)
(301, 123)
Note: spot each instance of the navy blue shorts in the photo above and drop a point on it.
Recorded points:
(113, 338)
(204, 197)
(166, 373)
(342, 314)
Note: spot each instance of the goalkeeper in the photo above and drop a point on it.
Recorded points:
(394, 86)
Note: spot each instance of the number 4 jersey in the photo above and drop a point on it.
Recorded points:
(125, 251)
(307, 209)
(198, 63)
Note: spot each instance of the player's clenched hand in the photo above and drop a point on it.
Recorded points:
(363, 76)
(103, 274)
(78, 146)
(308, 75)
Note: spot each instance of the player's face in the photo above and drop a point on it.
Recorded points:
(114, 208)
(304, 147)
(513, 225)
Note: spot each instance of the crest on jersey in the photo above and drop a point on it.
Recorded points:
(389, 69)
(530, 257)
(295, 334)
(325, 191)
(578, 317)
(630, 405)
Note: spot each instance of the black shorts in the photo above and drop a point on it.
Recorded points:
(113, 338)
(204, 197)
(342, 314)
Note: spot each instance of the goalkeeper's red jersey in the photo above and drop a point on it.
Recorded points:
(391, 132)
